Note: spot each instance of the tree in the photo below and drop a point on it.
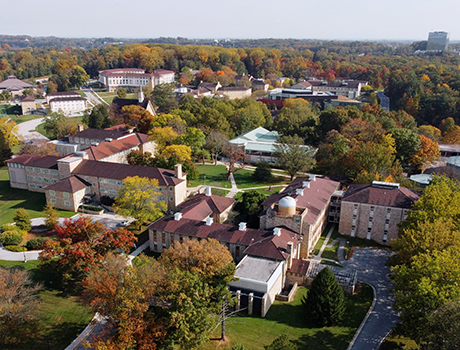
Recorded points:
(250, 206)
(5, 150)
(51, 216)
(181, 153)
(325, 302)
(137, 117)
(121, 92)
(234, 154)
(216, 143)
(197, 276)
(78, 77)
(292, 155)
(22, 219)
(140, 198)
(406, 142)
(18, 306)
(125, 295)
(430, 132)
(163, 97)
(452, 136)
(163, 137)
(281, 343)
(66, 126)
(263, 172)
(44, 148)
(9, 129)
(81, 245)
(427, 153)
(98, 118)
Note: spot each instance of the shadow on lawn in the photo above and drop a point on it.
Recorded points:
(324, 339)
(287, 313)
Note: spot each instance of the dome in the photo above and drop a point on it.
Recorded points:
(287, 202)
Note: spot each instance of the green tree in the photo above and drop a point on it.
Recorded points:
(281, 343)
(163, 98)
(292, 155)
(18, 307)
(406, 142)
(98, 118)
(263, 172)
(139, 198)
(51, 216)
(22, 219)
(216, 143)
(78, 77)
(5, 150)
(325, 302)
(121, 92)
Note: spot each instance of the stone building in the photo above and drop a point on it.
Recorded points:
(303, 207)
(133, 78)
(373, 211)
(28, 105)
(235, 92)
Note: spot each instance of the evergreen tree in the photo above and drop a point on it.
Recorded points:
(22, 219)
(51, 216)
(325, 301)
(5, 150)
(263, 172)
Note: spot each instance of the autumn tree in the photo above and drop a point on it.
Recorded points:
(431, 132)
(137, 117)
(140, 198)
(8, 138)
(44, 148)
(163, 137)
(452, 135)
(180, 153)
(18, 307)
(22, 219)
(5, 150)
(216, 143)
(125, 295)
(325, 302)
(234, 155)
(121, 92)
(292, 156)
(51, 216)
(81, 245)
(427, 153)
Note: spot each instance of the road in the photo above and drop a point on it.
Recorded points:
(24, 130)
(93, 97)
(370, 264)
(384, 100)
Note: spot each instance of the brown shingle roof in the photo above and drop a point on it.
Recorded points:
(314, 198)
(13, 83)
(119, 103)
(98, 134)
(299, 266)
(389, 197)
(71, 184)
(109, 148)
(217, 204)
(49, 162)
(116, 171)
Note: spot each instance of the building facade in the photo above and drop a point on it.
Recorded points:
(133, 78)
(437, 41)
(68, 104)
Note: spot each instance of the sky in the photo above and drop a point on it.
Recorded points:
(236, 19)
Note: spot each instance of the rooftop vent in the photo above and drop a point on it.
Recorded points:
(208, 191)
(108, 139)
(177, 216)
(94, 144)
(306, 184)
(209, 221)
(312, 177)
(80, 154)
(277, 231)
(242, 226)
(385, 185)
(299, 191)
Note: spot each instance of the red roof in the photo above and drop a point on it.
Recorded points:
(388, 197)
(216, 204)
(299, 266)
(314, 198)
(49, 162)
(108, 148)
(71, 184)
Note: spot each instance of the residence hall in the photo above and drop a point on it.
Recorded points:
(66, 101)
(134, 78)
(303, 207)
(373, 211)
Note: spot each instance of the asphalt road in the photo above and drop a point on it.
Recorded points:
(370, 264)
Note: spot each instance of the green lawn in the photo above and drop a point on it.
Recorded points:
(219, 192)
(41, 128)
(269, 192)
(243, 179)
(289, 318)
(62, 316)
(109, 96)
(330, 252)
(216, 175)
(23, 118)
(12, 199)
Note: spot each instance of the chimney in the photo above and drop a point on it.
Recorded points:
(178, 171)
(209, 221)
(312, 177)
(242, 226)
(177, 216)
(277, 231)
(81, 127)
(291, 253)
(306, 184)
(299, 191)
(208, 191)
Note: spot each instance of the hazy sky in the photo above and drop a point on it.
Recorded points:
(303, 19)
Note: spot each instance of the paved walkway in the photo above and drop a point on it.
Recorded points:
(329, 234)
(25, 130)
(234, 190)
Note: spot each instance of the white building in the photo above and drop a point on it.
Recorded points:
(68, 104)
(61, 94)
(133, 78)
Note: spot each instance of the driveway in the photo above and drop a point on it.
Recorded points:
(370, 264)
(27, 135)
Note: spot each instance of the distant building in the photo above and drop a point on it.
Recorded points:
(119, 103)
(133, 78)
(350, 88)
(28, 105)
(14, 86)
(260, 84)
(437, 41)
(235, 92)
(320, 97)
(61, 94)
(373, 211)
(68, 105)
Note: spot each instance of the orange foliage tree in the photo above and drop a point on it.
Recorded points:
(426, 153)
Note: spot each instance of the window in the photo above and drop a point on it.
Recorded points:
(388, 211)
(369, 229)
(52, 193)
(163, 238)
(171, 199)
(45, 171)
(181, 239)
(31, 185)
(120, 183)
(387, 221)
(39, 179)
(112, 182)
(372, 208)
(66, 194)
(237, 251)
(37, 170)
(67, 203)
(170, 189)
(53, 200)
(28, 168)
(370, 219)
(154, 236)
(30, 178)
(172, 240)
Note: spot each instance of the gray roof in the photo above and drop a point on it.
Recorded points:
(13, 83)
(259, 134)
(256, 268)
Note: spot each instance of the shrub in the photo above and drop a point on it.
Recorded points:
(11, 238)
(90, 207)
(22, 219)
(9, 227)
(263, 172)
(281, 343)
(106, 200)
(36, 243)
(51, 216)
(16, 248)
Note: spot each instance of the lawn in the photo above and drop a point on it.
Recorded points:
(243, 179)
(23, 118)
(41, 128)
(109, 96)
(289, 318)
(212, 175)
(219, 192)
(12, 199)
(62, 316)
(268, 191)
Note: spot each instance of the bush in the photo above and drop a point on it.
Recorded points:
(36, 243)
(281, 343)
(263, 172)
(9, 227)
(106, 200)
(90, 207)
(16, 248)
(22, 219)
(11, 238)
(51, 216)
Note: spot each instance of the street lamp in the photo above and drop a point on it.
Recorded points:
(24, 252)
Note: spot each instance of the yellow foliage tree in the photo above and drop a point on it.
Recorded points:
(163, 136)
(426, 153)
(9, 130)
(181, 152)
(452, 136)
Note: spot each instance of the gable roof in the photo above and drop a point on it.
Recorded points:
(299, 266)
(109, 148)
(13, 83)
(100, 134)
(258, 134)
(117, 171)
(314, 198)
(388, 197)
(71, 184)
(49, 162)
(215, 204)
(119, 103)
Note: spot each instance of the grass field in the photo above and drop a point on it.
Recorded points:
(219, 192)
(243, 179)
(109, 96)
(62, 317)
(216, 175)
(41, 128)
(289, 318)
(12, 199)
